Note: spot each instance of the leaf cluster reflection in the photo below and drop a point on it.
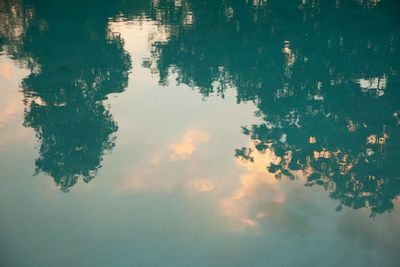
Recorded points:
(74, 63)
(323, 75)
(325, 85)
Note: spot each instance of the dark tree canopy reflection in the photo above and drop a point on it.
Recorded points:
(323, 74)
(75, 62)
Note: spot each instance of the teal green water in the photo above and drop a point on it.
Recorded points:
(199, 133)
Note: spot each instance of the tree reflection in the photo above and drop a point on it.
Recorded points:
(75, 62)
(323, 74)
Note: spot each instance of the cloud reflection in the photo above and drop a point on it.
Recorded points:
(187, 144)
(5, 71)
(171, 167)
(255, 185)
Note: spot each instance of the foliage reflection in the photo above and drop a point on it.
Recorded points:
(325, 85)
(74, 63)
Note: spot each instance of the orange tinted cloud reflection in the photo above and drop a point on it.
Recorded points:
(5, 71)
(242, 201)
(187, 144)
(256, 185)
(172, 167)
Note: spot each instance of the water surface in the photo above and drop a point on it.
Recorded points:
(199, 133)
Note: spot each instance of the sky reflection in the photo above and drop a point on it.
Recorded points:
(210, 133)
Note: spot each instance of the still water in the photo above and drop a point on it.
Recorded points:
(199, 133)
